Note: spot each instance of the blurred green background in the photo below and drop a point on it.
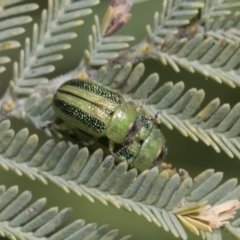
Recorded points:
(183, 152)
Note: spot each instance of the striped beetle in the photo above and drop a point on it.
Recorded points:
(134, 136)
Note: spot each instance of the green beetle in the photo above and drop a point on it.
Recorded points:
(133, 135)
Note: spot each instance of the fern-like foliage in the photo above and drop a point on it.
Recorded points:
(198, 46)
(48, 40)
(216, 125)
(234, 228)
(19, 219)
(12, 26)
(102, 49)
(200, 36)
(219, 8)
(166, 199)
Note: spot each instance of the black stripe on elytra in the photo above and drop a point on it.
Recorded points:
(96, 89)
(76, 113)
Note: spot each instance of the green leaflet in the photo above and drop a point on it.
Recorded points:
(159, 197)
(19, 219)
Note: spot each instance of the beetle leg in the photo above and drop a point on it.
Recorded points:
(62, 127)
(111, 146)
(86, 139)
(111, 149)
(163, 153)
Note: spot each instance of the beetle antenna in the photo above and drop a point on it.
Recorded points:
(144, 100)
(137, 123)
(157, 118)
